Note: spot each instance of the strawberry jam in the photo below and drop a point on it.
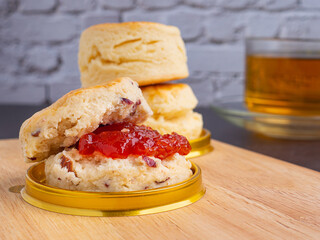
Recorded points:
(123, 139)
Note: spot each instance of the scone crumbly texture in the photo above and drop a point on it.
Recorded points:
(80, 112)
(70, 170)
(172, 106)
(147, 52)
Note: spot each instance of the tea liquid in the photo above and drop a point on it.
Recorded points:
(283, 85)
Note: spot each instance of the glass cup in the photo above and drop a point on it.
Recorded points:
(283, 76)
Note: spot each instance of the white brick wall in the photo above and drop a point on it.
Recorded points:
(39, 39)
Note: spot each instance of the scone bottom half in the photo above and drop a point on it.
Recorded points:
(91, 141)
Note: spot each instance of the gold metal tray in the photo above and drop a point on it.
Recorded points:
(201, 145)
(38, 194)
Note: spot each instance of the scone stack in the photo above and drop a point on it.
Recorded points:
(151, 54)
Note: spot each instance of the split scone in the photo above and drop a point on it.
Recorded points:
(147, 52)
(172, 106)
(90, 140)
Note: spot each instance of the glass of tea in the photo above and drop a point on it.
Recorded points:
(283, 76)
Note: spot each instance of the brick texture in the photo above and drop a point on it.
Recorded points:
(263, 25)
(35, 6)
(100, 17)
(278, 5)
(156, 4)
(24, 93)
(7, 7)
(80, 6)
(220, 59)
(41, 59)
(41, 29)
(310, 4)
(236, 4)
(201, 3)
(229, 33)
(116, 4)
(302, 27)
(39, 39)
(188, 23)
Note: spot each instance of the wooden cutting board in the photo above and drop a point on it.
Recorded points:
(249, 196)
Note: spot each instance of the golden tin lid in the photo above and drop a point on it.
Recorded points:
(201, 145)
(38, 194)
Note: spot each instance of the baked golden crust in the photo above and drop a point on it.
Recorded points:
(79, 112)
(189, 124)
(147, 52)
(172, 106)
(170, 100)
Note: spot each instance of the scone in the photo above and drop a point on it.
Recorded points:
(170, 100)
(90, 140)
(79, 112)
(189, 125)
(172, 105)
(149, 53)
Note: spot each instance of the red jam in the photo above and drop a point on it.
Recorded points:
(123, 139)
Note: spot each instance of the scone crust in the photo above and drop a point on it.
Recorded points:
(170, 100)
(189, 125)
(147, 52)
(79, 112)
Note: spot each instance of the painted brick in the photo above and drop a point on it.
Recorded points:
(36, 6)
(235, 87)
(41, 59)
(278, 5)
(202, 88)
(117, 4)
(34, 34)
(263, 25)
(138, 15)
(192, 29)
(41, 28)
(188, 23)
(216, 58)
(302, 27)
(156, 4)
(224, 27)
(235, 4)
(69, 71)
(69, 58)
(10, 57)
(310, 4)
(76, 7)
(6, 79)
(23, 93)
(57, 90)
(7, 7)
(201, 3)
(97, 18)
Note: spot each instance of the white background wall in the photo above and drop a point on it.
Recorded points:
(39, 39)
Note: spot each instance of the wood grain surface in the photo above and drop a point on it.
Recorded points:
(249, 196)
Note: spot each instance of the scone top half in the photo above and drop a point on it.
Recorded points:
(80, 112)
(147, 52)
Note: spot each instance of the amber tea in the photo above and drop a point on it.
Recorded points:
(283, 82)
